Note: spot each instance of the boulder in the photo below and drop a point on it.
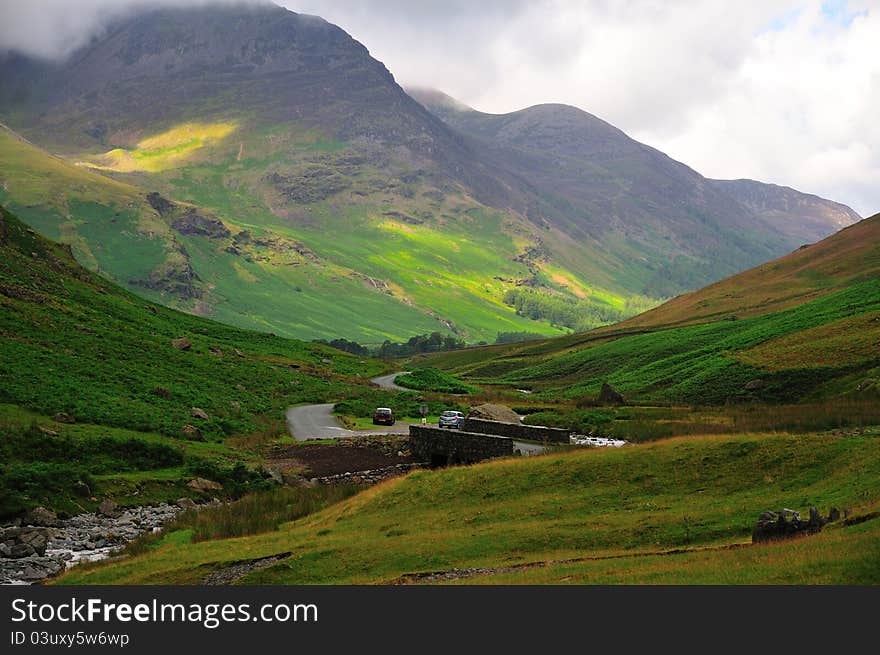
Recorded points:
(753, 385)
(191, 431)
(237, 352)
(235, 405)
(608, 395)
(20, 550)
(202, 484)
(63, 417)
(35, 538)
(41, 516)
(198, 412)
(181, 343)
(216, 350)
(273, 474)
(109, 508)
(24, 542)
(490, 412)
(186, 503)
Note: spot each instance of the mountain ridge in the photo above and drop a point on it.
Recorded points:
(283, 127)
(580, 132)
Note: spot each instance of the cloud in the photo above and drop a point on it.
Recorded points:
(799, 109)
(783, 91)
(53, 29)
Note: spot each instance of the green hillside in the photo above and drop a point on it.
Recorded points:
(82, 361)
(253, 270)
(805, 327)
(595, 516)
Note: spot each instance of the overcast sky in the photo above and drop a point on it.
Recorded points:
(784, 91)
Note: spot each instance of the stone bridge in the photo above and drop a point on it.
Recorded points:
(443, 447)
(516, 430)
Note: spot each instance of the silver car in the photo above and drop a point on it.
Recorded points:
(451, 419)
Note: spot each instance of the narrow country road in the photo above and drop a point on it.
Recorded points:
(387, 381)
(318, 422)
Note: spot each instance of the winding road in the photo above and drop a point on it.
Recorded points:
(318, 422)
(387, 381)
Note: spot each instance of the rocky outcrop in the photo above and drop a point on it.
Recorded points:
(191, 432)
(181, 343)
(175, 276)
(490, 412)
(193, 223)
(187, 219)
(160, 204)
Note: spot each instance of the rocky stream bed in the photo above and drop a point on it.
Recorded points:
(41, 545)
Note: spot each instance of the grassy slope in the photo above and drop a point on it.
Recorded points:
(808, 327)
(436, 276)
(108, 223)
(74, 342)
(843, 259)
(440, 270)
(682, 493)
(711, 363)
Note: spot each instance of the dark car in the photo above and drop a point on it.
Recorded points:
(451, 419)
(383, 416)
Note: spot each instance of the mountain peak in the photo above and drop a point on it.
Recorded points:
(434, 99)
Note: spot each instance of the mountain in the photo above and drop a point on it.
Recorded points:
(313, 197)
(803, 327)
(567, 132)
(801, 214)
(99, 385)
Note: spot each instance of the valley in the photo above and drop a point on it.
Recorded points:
(521, 519)
(200, 202)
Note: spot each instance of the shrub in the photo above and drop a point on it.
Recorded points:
(432, 379)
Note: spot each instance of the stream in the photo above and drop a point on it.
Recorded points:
(82, 538)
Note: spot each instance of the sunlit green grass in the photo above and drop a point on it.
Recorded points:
(698, 364)
(682, 493)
